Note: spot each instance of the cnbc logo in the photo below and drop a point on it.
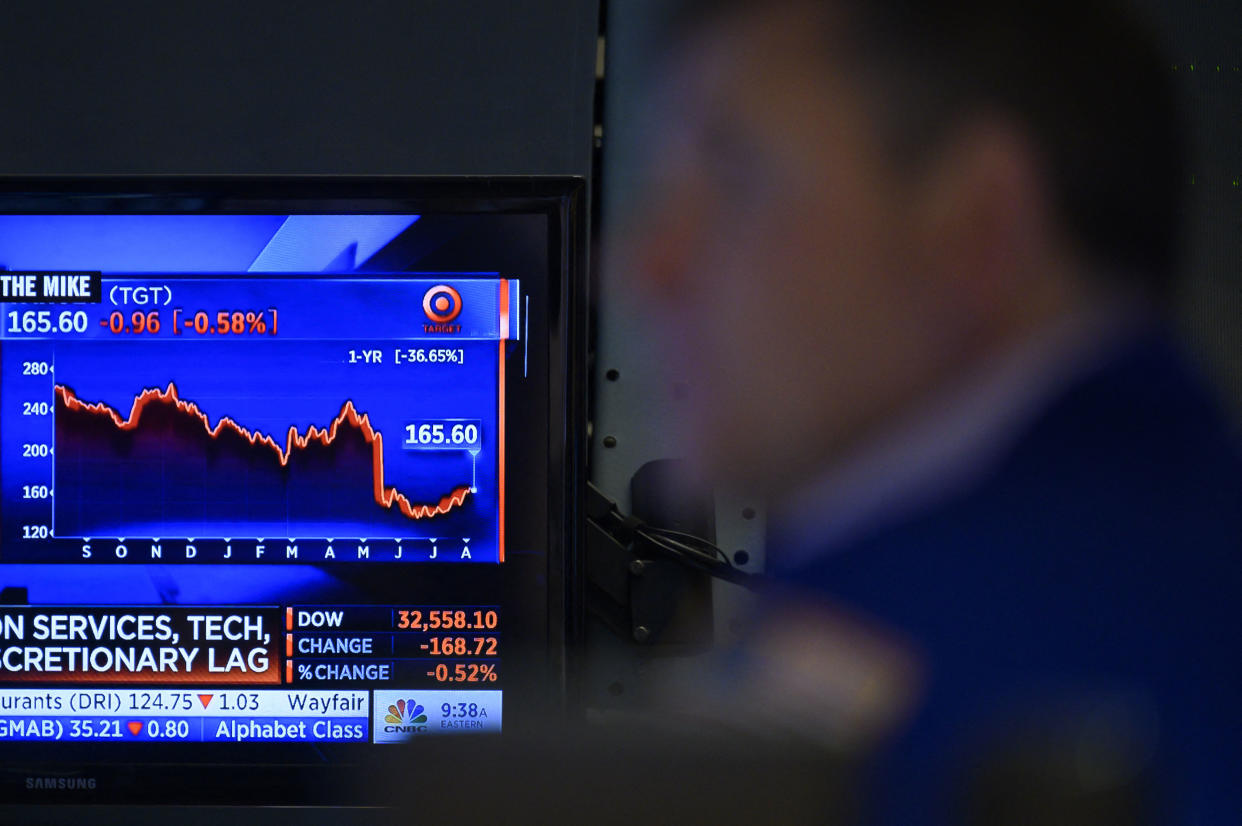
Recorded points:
(396, 718)
(405, 717)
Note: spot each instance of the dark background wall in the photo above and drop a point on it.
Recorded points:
(1206, 56)
(1204, 46)
(259, 86)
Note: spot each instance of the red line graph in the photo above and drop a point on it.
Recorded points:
(387, 497)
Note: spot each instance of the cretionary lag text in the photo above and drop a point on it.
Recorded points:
(386, 497)
(169, 645)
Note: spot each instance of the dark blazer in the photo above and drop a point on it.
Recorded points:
(1083, 603)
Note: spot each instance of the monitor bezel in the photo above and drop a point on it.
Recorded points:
(562, 198)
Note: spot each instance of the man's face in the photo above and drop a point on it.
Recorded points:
(775, 254)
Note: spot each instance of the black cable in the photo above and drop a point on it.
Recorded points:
(689, 537)
(681, 548)
(687, 548)
(719, 568)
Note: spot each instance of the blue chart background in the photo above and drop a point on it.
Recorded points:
(267, 386)
(355, 284)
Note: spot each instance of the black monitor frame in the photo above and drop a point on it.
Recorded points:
(563, 199)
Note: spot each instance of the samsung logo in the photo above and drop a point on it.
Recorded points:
(60, 783)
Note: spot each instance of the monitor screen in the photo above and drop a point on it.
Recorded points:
(287, 473)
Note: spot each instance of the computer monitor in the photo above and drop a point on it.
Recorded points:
(289, 472)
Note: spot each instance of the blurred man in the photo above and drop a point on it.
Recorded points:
(910, 259)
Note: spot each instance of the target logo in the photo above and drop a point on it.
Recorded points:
(442, 304)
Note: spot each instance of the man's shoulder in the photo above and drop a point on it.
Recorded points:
(1147, 415)
(1102, 554)
(1130, 476)
(1138, 452)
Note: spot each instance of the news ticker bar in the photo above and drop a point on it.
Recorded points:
(211, 715)
(129, 644)
(411, 645)
(402, 306)
(330, 646)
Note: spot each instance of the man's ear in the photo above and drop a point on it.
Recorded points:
(983, 215)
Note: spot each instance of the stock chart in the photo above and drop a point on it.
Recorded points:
(279, 418)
